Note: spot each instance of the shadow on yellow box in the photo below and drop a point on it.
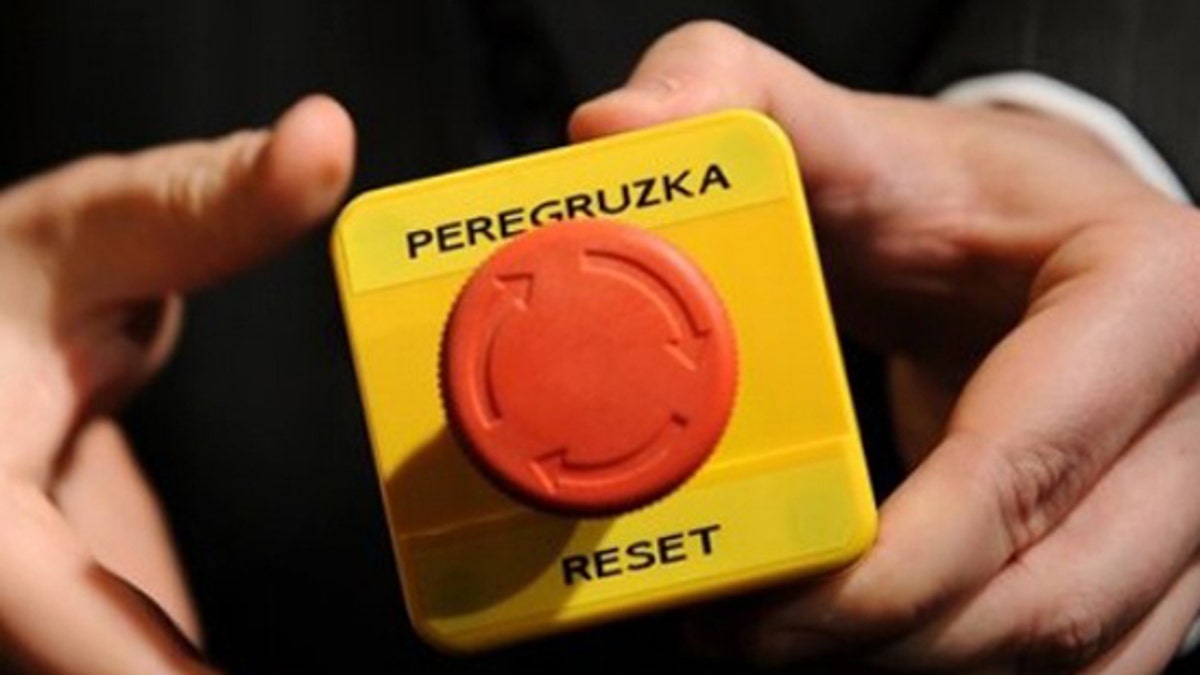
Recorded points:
(784, 494)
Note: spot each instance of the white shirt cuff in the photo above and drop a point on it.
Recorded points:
(1049, 96)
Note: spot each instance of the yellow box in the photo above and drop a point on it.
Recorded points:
(784, 494)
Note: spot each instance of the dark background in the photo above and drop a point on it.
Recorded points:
(254, 435)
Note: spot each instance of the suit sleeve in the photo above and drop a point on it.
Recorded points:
(1142, 58)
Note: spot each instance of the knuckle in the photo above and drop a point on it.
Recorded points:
(724, 47)
(709, 32)
(1038, 478)
(56, 200)
(1155, 256)
(1072, 634)
(1168, 237)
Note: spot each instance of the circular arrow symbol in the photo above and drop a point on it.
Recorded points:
(589, 368)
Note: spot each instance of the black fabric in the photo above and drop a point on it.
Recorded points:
(1139, 56)
(254, 434)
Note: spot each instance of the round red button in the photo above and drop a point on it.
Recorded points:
(588, 367)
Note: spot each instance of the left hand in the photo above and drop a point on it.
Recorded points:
(1040, 309)
(94, 257)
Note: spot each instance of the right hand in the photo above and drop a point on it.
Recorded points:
(1040, 309)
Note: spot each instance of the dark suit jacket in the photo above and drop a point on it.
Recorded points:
(1140, 56)
(254, 434)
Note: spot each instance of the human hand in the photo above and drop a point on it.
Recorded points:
(1040, 309)
(93, 257)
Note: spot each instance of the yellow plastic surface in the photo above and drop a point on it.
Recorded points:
(785, 493)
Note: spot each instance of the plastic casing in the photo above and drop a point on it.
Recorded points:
(787, 486)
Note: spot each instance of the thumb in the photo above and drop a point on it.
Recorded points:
(707, 66)
(869, 163)
(180, 216)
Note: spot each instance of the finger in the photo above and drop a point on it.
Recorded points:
(1070, 597)
(181, 216)
(1049, 410)
(102, 493)
(63, 613)
(1150, 646)
(707, 66)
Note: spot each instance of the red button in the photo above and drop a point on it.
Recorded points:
(588, 368)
